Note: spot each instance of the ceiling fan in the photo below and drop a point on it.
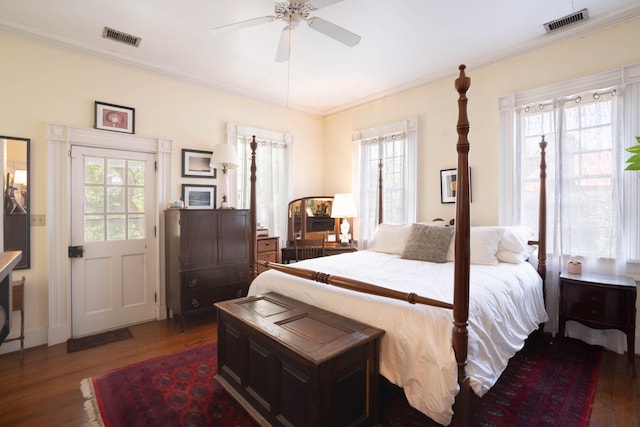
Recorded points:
(292, 12)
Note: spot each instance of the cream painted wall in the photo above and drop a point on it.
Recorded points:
(436, 107)
(43, 85)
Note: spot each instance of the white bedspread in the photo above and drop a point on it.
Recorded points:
(506, 305)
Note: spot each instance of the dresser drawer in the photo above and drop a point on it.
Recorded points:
(605, 306)
(213, 277)
(267, 245)
(270, 256)
(205, 298)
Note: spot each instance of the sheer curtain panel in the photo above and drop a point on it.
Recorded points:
(273, 161)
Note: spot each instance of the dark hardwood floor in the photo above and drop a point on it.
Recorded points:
(43, 389)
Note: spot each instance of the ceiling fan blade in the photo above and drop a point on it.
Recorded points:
(282, 54)
(319, 4)
(242, 24)
(334, 31)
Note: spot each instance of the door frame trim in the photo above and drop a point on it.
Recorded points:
(60, 138)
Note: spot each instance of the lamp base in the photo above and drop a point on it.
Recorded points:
(224, 204)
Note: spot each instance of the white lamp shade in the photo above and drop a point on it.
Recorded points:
(20, 177)
(224, 155)
(343, 206)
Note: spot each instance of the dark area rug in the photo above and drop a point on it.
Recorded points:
(78, 344)
(542, 386)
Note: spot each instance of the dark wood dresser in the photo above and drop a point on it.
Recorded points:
(207, 258)
(291, 364)
(600, 302)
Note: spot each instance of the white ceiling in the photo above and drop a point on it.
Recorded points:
(405, 43)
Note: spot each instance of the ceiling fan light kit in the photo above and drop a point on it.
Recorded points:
(292, 12)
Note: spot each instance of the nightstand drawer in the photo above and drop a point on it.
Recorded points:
(591, 303)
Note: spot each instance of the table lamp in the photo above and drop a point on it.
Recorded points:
(225, 156)
(345, 208)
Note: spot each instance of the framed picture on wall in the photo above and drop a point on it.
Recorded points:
(115, 118)
(199, 196)
(448, 185)
(195, 163)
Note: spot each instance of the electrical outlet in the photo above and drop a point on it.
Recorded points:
(37, 220)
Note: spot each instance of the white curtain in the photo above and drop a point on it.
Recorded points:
(273, 158)
(592, 202)
(395, 146)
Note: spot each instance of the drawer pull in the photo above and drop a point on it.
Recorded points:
(594, 311)
(239, 293)
(193, 283)
(195, 303)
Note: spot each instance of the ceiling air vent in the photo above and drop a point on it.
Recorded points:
(119, 36)
(581, 15)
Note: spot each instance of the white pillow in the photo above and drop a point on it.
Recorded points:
(514, 247)
(390, 238)
(483, 246)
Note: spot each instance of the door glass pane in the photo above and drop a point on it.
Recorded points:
(136, 200)
(116, 227)
(136, 173)
(93, 200)
(116, 172)
(114, 208)
(93, 228)
(115, 197)
(136, 226)
(93, 170)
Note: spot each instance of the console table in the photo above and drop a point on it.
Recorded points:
(289, 252)
(600, 302)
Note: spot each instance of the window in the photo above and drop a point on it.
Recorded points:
(273, 157)
(394, 148)
(593, 206)
(582, 178)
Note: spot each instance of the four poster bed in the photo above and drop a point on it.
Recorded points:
(495, 302)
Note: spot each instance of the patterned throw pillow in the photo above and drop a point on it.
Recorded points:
(428, 243)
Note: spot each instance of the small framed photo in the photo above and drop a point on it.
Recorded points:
(114, 117)
(448, 185)
(199, 196)
(195, 163)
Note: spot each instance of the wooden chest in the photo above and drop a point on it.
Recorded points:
(291, 364)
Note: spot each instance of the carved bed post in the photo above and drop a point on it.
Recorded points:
(460, 334)
(253, 255)
(380, 209)
(542, 215)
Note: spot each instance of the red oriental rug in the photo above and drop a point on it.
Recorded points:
(542, 386)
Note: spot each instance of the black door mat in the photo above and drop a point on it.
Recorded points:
(78, 344)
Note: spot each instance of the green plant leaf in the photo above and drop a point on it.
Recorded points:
(634, 149)
(633, 167)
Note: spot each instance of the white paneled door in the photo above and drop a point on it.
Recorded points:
(112, 239)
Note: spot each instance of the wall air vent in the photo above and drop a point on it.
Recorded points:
(581, 15)
(119, 36)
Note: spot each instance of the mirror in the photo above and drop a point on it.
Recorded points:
(16, 217)
(310, 214)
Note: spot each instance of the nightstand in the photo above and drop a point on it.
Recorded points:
(600, 302)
